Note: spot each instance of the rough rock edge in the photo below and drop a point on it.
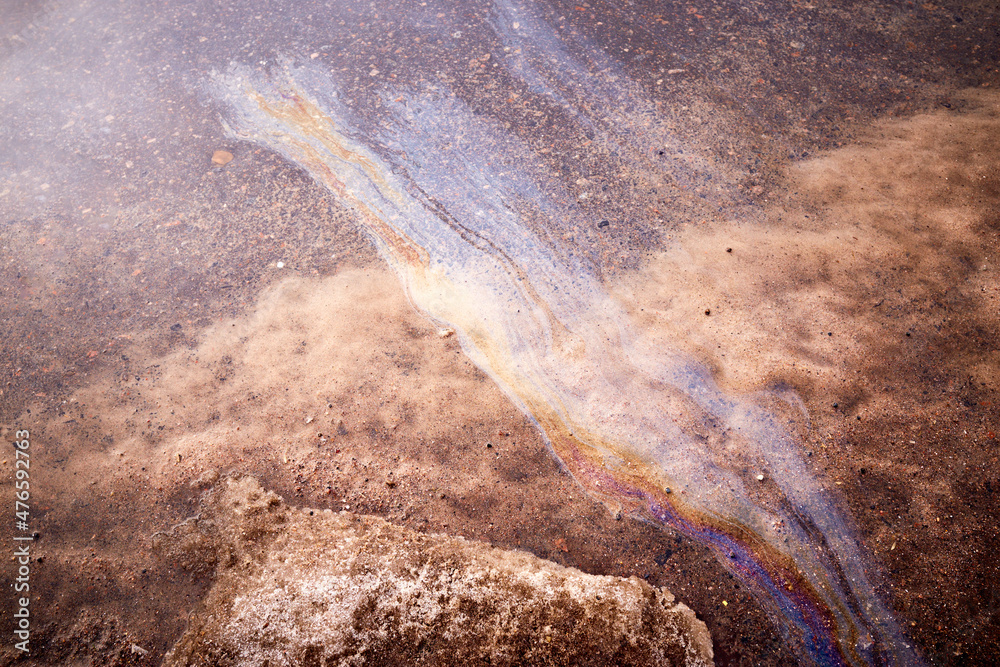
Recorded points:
(311, 587)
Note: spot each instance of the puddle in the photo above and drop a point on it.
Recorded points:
(642, 293)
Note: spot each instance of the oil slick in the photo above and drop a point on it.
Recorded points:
(641, 427)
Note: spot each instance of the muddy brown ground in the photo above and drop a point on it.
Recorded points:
(150, 341)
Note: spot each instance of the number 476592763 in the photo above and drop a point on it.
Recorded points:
(22, 464)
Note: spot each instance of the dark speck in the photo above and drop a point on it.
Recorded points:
(602, 224)
(663, 557)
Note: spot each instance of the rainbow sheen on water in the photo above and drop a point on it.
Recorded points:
(641, 427)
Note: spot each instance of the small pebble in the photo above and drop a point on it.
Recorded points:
(760, 478)
(222, 158)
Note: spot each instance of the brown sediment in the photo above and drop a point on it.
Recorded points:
(454, 410)
(871, 292)
(599, 376)
(920, 476)
(337, 394)
(864, 243)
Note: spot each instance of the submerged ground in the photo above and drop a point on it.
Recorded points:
(802, 197)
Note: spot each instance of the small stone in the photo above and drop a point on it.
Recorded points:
(760, 478)
(222, 158)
